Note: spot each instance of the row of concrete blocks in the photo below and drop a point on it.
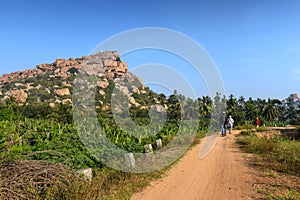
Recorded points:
(129, 160)
(129, 157)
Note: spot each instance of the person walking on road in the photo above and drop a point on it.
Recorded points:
(223, 122)
(230, 124)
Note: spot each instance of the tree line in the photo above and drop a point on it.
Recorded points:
(244, 111)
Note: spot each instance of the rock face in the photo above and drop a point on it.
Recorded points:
(103, 84)
(66, 101)
(292, 99)
(62, 92)
(53, 83)
(19, 95)
(110, 61)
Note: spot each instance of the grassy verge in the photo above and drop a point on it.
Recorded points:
(38, 159)
(279, 162)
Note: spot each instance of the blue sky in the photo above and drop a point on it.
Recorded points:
(255, 44)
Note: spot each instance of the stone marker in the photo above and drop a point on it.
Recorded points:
(148, 148)
(129, 160)
(159, 143)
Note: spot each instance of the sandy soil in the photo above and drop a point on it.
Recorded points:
(222, 175)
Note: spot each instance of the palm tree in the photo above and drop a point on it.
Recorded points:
(205, 106)
(241, 101)
(219, 103)
(232, 105)
(271, 110)
(190, 109)
(260, 103)
(174, 107)
(251, 111)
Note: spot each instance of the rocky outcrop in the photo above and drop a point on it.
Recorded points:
(19, 95)
(109, 62)
(103, 84)
(62, 92)
(66, 101)
(52, 83)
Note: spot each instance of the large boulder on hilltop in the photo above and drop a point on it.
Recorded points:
(109, 75)
(62, 92)
(66, 101)
(103, 84)
(19, 95)
(135, 89)
(122, 67)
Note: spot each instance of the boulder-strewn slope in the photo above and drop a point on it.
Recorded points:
(53, 83)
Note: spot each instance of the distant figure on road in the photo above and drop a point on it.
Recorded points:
(230, 124)
(257, 122)
(223, 122)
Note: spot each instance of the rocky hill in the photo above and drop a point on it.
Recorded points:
(53, 83)
(291, 100)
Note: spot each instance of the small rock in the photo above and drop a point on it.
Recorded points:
(103, 84)
(101, 92)
(66, 101)
(143, 92)
(87, 173)
(148, 148)
(62, 92)
(159, 143)
(135, 89)
(52, 105)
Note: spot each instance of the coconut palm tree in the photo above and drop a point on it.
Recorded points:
(205, 106)
(251, 111)
(232, 105)
(271, 110)
(241, 101)
(190, 109)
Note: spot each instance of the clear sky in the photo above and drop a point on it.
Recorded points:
(255, 44)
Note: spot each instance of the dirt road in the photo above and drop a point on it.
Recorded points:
(222, 175)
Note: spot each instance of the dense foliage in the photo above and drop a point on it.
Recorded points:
(39, 132)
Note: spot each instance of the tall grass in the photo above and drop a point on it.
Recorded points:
(277, 153)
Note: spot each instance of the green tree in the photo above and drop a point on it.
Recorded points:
(174, 107)
(190, 109)
(291, 113)
(251, 111)
(232, 105)
(205, 106)
(271, 111)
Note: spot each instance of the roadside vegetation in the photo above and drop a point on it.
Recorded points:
(40, 148)
(278, 160)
